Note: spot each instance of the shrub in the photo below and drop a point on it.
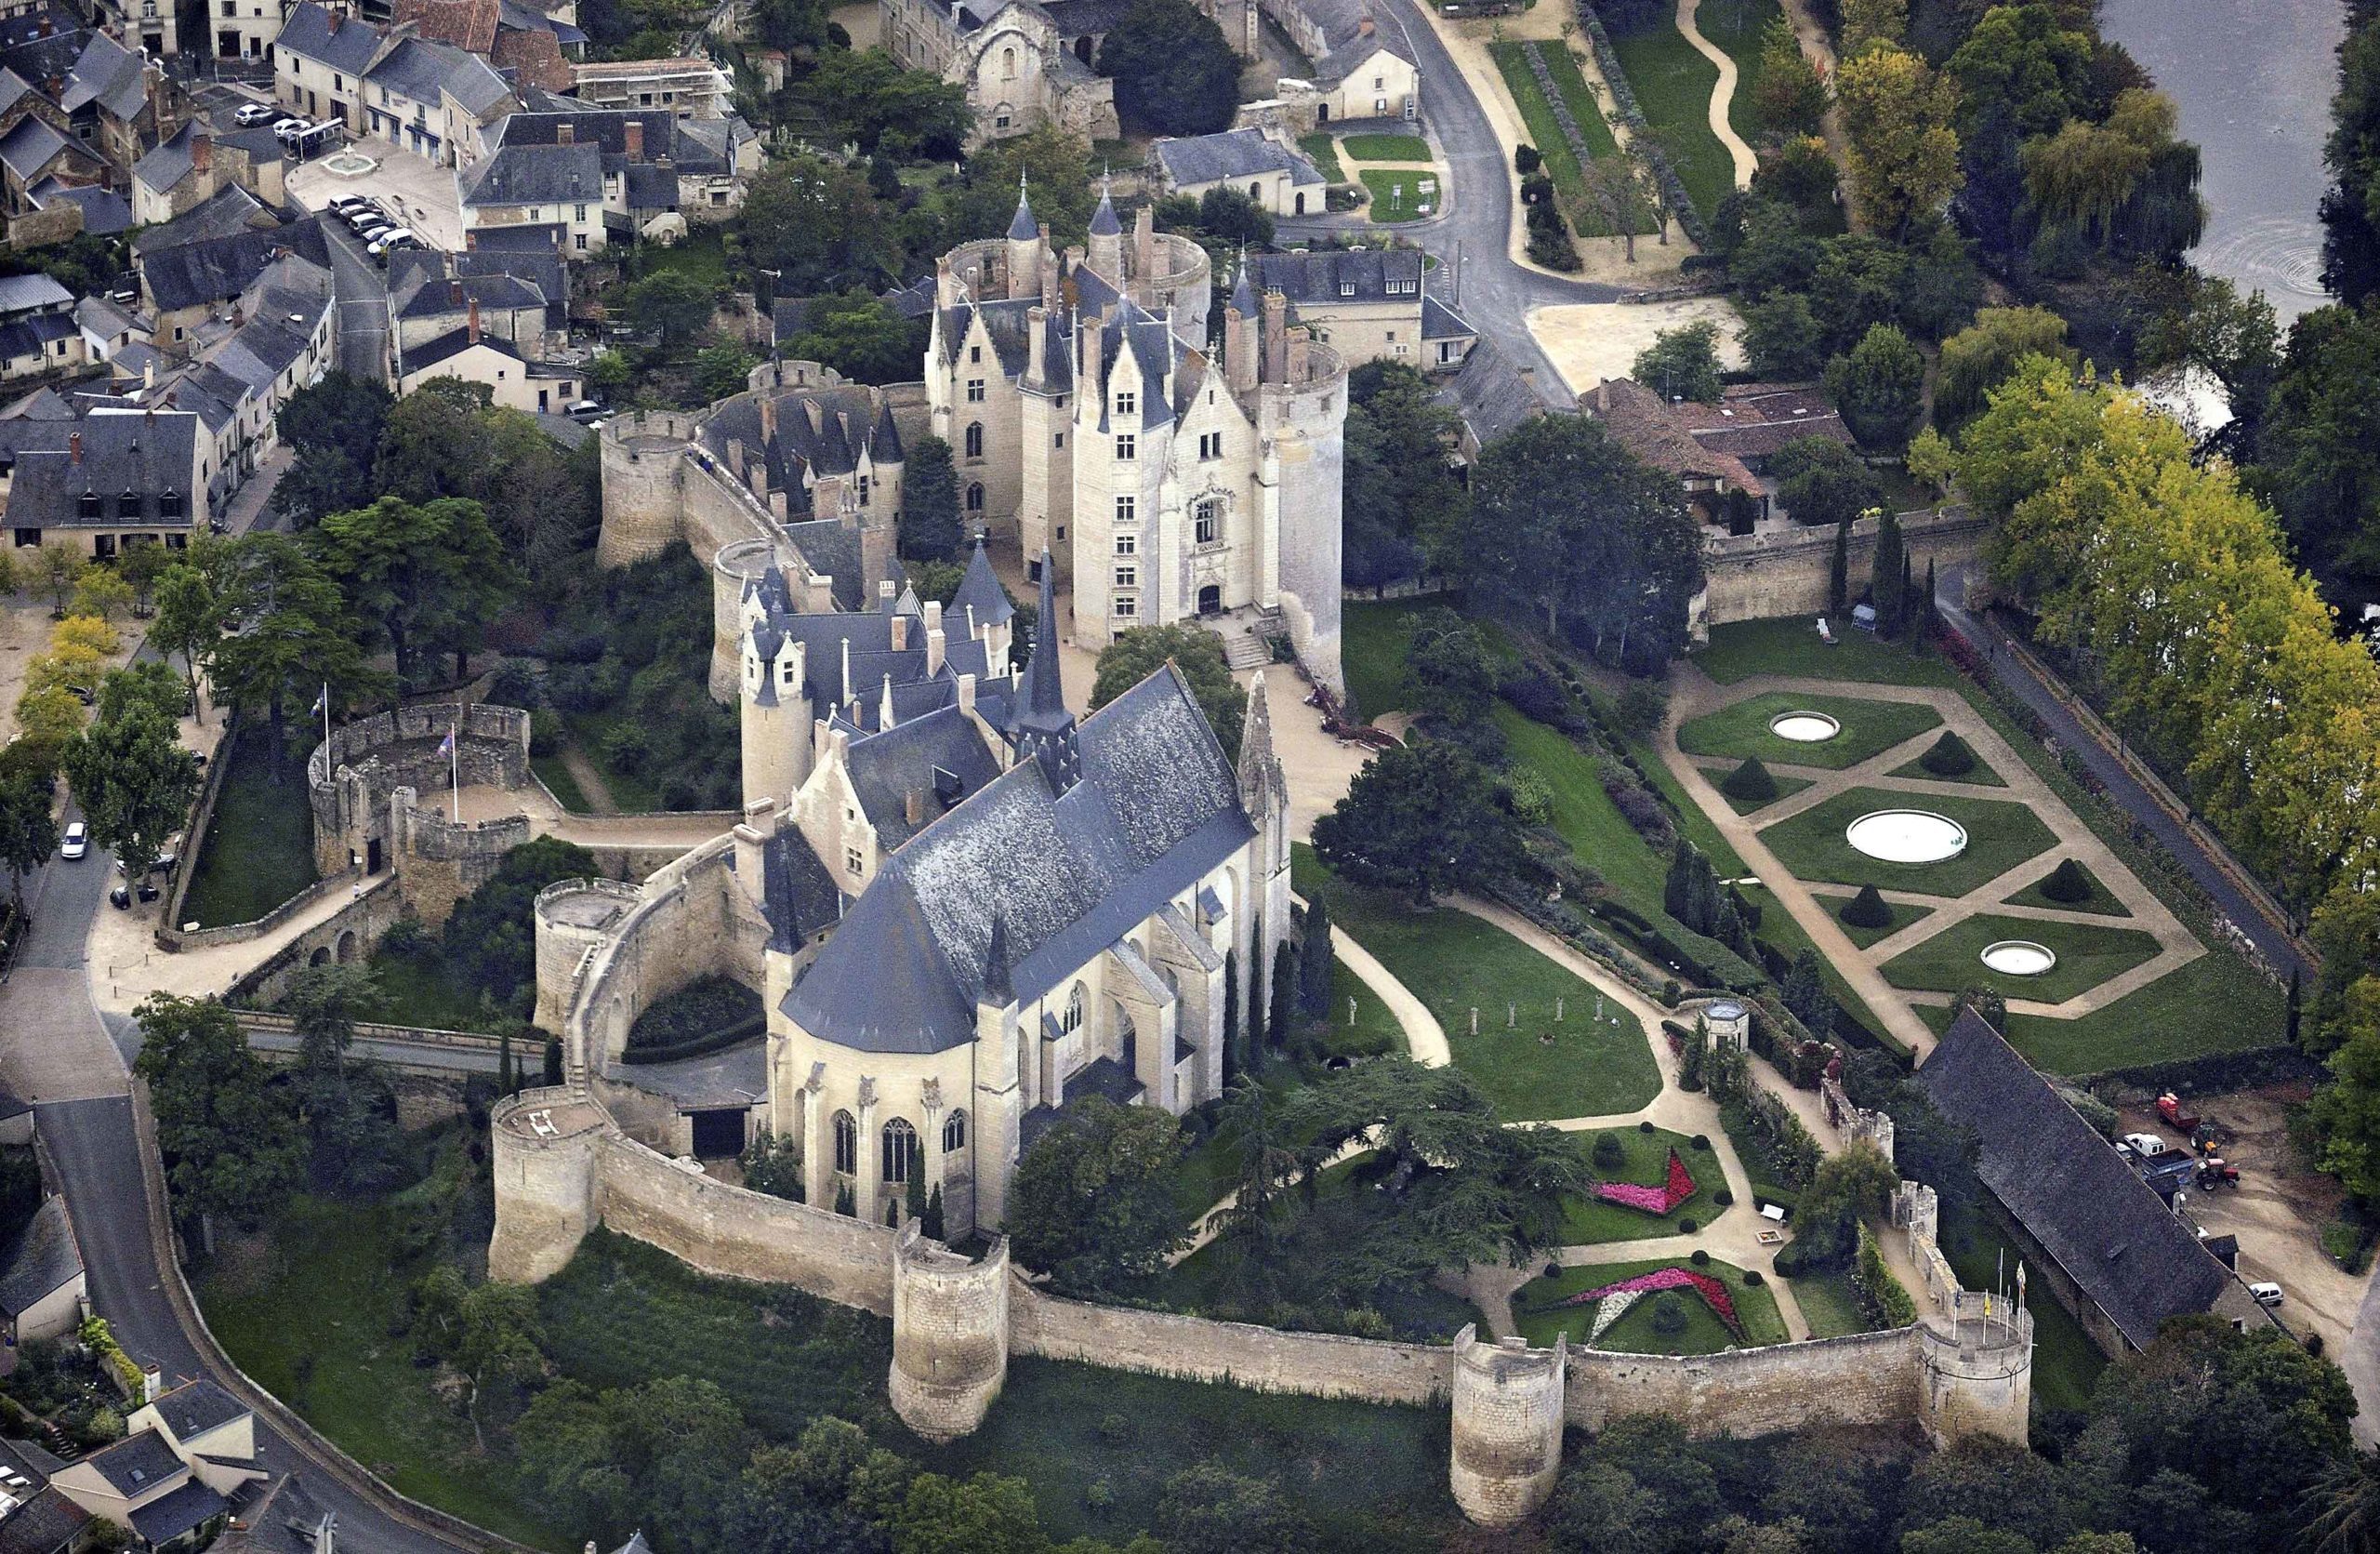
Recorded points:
(1949, 757)
(1866, 909)
(1699, 1258)
(1643, 707)
(1753, 1279)
(1526, 160)
(1723, 1198)
(1669, 1317)
(1750, 782)
(1553, 1270)
(1688, 1227)
(1645, 1126)
(1115, 1429)
(1702, 1141)
(1608, 1153)
(2067, 882)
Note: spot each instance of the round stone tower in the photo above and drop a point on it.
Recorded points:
(642, 459)
(542, 1151)
(1508, 1401)
(950, 1335)
(736, 565)
(572, 917)
(1975, 1365)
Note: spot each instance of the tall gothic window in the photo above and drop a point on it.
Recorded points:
(900, 1150)
(954, 1132)
(846, 1142)
(975, 439)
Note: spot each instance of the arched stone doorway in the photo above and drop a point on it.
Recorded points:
(1211, 600)
(346, 945)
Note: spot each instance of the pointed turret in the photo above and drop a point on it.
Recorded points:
(1243, 291)
(1040, 725)
(1022, 228)
(1105, 256)
(1103, 221)
(996, 991)
(1261, 777)
(1025, 250)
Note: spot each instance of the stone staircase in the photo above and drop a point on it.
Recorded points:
(1245, 649)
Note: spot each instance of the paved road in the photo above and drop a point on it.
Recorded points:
(1496, 294)
(363, 295)
(2182, 844)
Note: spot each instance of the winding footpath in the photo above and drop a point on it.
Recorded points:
(1722, 96)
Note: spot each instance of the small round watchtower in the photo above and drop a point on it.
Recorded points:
(1507, 1405)
(950, 1335)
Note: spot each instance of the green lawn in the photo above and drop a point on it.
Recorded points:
(1537, 114)
(1373, 1030)
(2087, 955)
(1570, 84)
(419, 989)
(555, 775)
(701, 254)
(1869, 729)
(635, 795)
(1397, 196)
(1372, 640)
(1980, 775)
(1903, 915)
(309, 1315)
(1755, 1306)
(1387, 148)
(1830, 1303)
(1590, 1221)
(1999, 836)
(1786, 788)
(258, 850)
(1322, 152)
(1673, 84)
(1577, 1066)
(2099, 901)
(2214, 1004)
(1792, 646)
(1736, 27)
(1586, 817)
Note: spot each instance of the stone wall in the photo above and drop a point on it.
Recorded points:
(1760, 577)
(346, 936)
(950, 1321)
(1864, 1379)
(438, 861)
(352, 776)
(692, 918)
(1507, 1425)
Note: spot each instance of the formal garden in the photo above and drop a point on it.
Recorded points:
(1676, 1306)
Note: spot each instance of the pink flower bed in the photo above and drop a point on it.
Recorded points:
(1651, 1200)
(1713, 1292)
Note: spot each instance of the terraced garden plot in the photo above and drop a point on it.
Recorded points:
(1755, 1307)
(1999, 836)
(1591, 1220)
(2087, 955)
(1869, 728)
(2100, 901)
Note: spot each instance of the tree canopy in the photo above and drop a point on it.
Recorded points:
(1140, 651)
(1174, 72)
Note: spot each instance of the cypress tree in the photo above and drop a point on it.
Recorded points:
(553, 1060)
(503, 1079)
(1751, 782)
(1838, 582)
(1866, 909)
(1256, 1031)
(845, 1204)
(1282, 1018)
(1677, 890)
(1705, 903)
(1314, 961)
(914, 1199)
(1929, 613)
(932, 1218)
(1234, 1061)
(1885, 576)
(2295, 1007)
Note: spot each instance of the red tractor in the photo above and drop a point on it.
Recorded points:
(2214, 1172)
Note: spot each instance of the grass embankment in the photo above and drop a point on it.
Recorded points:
(2215, 1003)
(1579, 1064)
(1537, 116)
(1830, 1303)
(1868, 729)
(1999, 836)
(1673, 83)
(2087, 955)
(1397, 194)
(1645, 1159)
(258, 850)
(1634, 1334)
(1322, 150)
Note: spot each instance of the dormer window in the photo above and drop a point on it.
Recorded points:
(1346, 288)
(89, 505)
(1126, 402)
(169, 504)
(128, 505)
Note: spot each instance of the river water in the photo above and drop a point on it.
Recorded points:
(2253, 79)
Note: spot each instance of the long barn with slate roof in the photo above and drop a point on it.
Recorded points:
(980, 906)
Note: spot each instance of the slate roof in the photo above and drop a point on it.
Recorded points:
(665, 134)
(169, 163)
(1321, 275)
(168, 1517)
(137, 1463)
(145, 454)
(229, 210)
(2068, 1187)
(819, 430)
(196, 1407)
(30, 293)
(13, 88)
(28, 148)
(105, 212)
(33, 337)
(1234, 153)
(216, 270)
(1442, 323)
(44, 1259)
(1489, 395)
(979, 591)
(109, 75)
(39, 57)
(1066, 874)
(44, 1524)
(42, 404)
(347, 48)
(940, 758)
(536, 175)
(423, 71)
(421, 358)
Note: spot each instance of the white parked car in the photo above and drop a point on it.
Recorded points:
(2147, 1144)
(2267, 1295)
(395, 238)
(256, 114)
(76, 842)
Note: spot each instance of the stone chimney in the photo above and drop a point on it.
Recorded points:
(74, 448)
(1301, 343)
(900, 630)
(1276, 340)
(936, 643)
(735, 457)
(1090, 380)
(1603, 395)
(1143, 246)
(1037, 350)
(202, 154)
(454, 289)
(913, 806)
(471, 322)
(336, 19)
(967, 693)
(768, 420)
(1239, 351)
(565, 133)
(634, 129)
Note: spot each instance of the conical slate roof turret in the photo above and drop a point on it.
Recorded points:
(1243, 291)
(1103, 221)
(1024, 227)
(1041, 725)
(980, 591)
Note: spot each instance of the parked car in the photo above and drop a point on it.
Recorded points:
(395, 238)
(587, 412)
(77, 840)
(256, 114)
(2147, 1144)
(287, 122)
(2267, 1295)
(347, 205)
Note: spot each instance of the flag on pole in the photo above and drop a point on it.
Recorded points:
(322, 702)
(446, 746)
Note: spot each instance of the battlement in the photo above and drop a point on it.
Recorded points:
(1507, 1428)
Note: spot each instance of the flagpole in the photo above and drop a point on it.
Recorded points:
(454, 749)
(326, 715)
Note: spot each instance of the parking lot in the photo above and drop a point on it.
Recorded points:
(417, 191)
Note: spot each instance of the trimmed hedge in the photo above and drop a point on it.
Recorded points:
(704, 1015)
(2067, 882)
(1949, 757)
(1866, 909)
(1750, 782)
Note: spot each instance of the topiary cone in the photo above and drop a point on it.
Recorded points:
(2067, 882)
(1750, 782)
(1866, 909)
(1949, 757)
